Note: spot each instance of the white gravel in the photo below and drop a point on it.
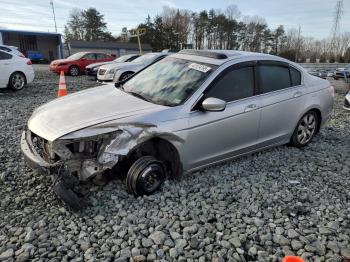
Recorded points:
(257, 208)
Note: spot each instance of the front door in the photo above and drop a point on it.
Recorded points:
(215, 136)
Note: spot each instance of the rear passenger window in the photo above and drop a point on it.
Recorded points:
(296, 76)
(273, 78)
(100, 56)
(5, 56)
(90, 56)
(234, 85)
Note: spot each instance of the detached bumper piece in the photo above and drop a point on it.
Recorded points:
(66, 188)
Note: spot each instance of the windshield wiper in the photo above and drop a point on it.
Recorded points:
(139, 96)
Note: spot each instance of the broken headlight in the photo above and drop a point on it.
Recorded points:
(86, 148)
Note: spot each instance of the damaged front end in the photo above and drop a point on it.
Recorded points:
(83, 154)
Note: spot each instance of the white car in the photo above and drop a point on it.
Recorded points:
(16, 71)
(117, 72)
(11, 49)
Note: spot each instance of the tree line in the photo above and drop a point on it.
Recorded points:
(214, 29)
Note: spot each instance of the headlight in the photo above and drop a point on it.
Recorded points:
(111, 71)
(94, 68)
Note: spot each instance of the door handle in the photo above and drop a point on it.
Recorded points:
(250, 108)
(297, 94)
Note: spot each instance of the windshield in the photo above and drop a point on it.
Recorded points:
(145, 58)
(123, 58)
(75, 56)
(170, 81)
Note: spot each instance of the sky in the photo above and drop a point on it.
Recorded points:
(314, 16)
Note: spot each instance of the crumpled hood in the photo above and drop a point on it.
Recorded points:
(86, 108)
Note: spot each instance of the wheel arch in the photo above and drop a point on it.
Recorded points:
(318, 112)
(162, 149)
(17, 71)
(126, 72)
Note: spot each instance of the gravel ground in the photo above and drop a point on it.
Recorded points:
(257, 208)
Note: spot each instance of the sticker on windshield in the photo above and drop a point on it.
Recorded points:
(198, 67)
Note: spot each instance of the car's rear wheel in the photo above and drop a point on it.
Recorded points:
(17, 81)
(74, 71)
(305, 130)
(145, 176)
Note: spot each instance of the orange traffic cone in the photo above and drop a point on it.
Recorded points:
(62, 88)
(292, 259)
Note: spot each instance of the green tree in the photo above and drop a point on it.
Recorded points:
(86, 25)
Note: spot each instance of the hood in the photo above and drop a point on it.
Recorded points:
(86, 108)
(120, 65)
(58, 61)
(101, 64)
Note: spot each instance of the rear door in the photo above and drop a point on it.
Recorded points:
(215, 136)
(88, 59)
(6, 68)
(282, 99)
(101, 57)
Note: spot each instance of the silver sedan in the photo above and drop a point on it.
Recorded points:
(185, 112)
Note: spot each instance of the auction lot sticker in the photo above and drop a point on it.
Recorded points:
(198, 67)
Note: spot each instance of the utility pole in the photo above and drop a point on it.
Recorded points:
(336, 21)
(298, 43)
(54, 16)
(177, 29)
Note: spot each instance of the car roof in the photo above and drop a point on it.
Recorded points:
(218, 57)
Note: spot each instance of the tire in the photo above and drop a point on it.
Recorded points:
(145, 176)
(73, 71)
(17, 81)
(125, 76)
(305, 130)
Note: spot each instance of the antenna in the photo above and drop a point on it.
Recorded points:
(54, 16)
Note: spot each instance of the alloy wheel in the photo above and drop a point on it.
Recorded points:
(306, 128)
(18, 81)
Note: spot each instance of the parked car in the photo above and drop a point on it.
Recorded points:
(75, 64)
(320, 73)
(341, 72)
(330, 74)
(347, 102)
(16, 71)
(11, 49)
(36, 57)
(117, 72)
(185, 112)
(93, 68)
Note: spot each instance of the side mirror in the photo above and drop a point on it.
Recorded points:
(213, 104)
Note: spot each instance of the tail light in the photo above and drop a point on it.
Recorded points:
(331, 91)
(29, 62)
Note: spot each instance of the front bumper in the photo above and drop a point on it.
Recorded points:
(90, 72)
(33, 159)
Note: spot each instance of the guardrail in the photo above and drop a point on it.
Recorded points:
(323, 66)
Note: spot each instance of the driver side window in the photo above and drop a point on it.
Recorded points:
(234, 84)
